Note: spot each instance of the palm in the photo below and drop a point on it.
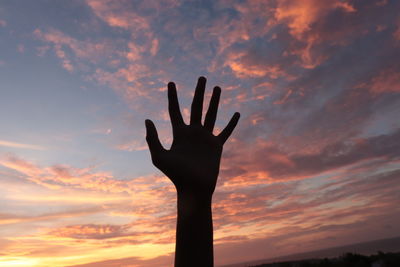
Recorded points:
(193, 161)
(195, 154)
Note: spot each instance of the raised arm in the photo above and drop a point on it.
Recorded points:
(192, 164)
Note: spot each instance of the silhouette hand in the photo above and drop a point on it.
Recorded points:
(193, 161)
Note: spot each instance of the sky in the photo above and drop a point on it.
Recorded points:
(313, 163)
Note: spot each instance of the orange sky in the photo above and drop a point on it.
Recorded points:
(314, 162)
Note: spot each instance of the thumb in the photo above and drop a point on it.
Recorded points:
(152, 139)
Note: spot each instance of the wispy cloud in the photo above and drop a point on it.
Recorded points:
(20, 145)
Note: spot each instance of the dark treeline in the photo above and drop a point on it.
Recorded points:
(347, 260)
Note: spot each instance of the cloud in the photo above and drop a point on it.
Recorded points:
(63, 45)
(275, 164)
(115, 16)
(240, 66)
(266, 207)
(387, 81)
(84, 186)
(20, 165)
(63, 177)
(132, 145)
(6, 218)
(90, 231)
(20, 145)
(132, 261)
(300, 16)
(58, 39)
(114, 62)
(59, 207)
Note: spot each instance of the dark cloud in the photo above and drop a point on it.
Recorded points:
(280, 164)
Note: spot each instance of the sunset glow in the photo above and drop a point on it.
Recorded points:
(313, 163)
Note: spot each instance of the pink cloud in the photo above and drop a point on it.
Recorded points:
(396, 34)
(21, 48)
(243, 70)
(20, 165)
(300, 18)
(386, 81)
(86, 49)
(113, 13)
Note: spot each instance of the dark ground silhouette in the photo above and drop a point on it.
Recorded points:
(347, 260)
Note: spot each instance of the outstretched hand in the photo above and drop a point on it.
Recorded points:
(193, 161)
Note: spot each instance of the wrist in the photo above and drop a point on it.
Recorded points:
(195, 197)
(189, 203)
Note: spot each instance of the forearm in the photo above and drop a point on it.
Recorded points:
(194, 233)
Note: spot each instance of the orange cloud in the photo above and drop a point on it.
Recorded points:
(78, 197)
(132, 145)
(242, 68)
(260, 209)
(63, 176)
(89, 231)
(6, 218)
(243, 71)
(130, 74)
(263, 163)
(284, 99)
(22, 166)
(386, 81)
(94, 52)
(83, 186)
(301, 17)
(117, 16)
